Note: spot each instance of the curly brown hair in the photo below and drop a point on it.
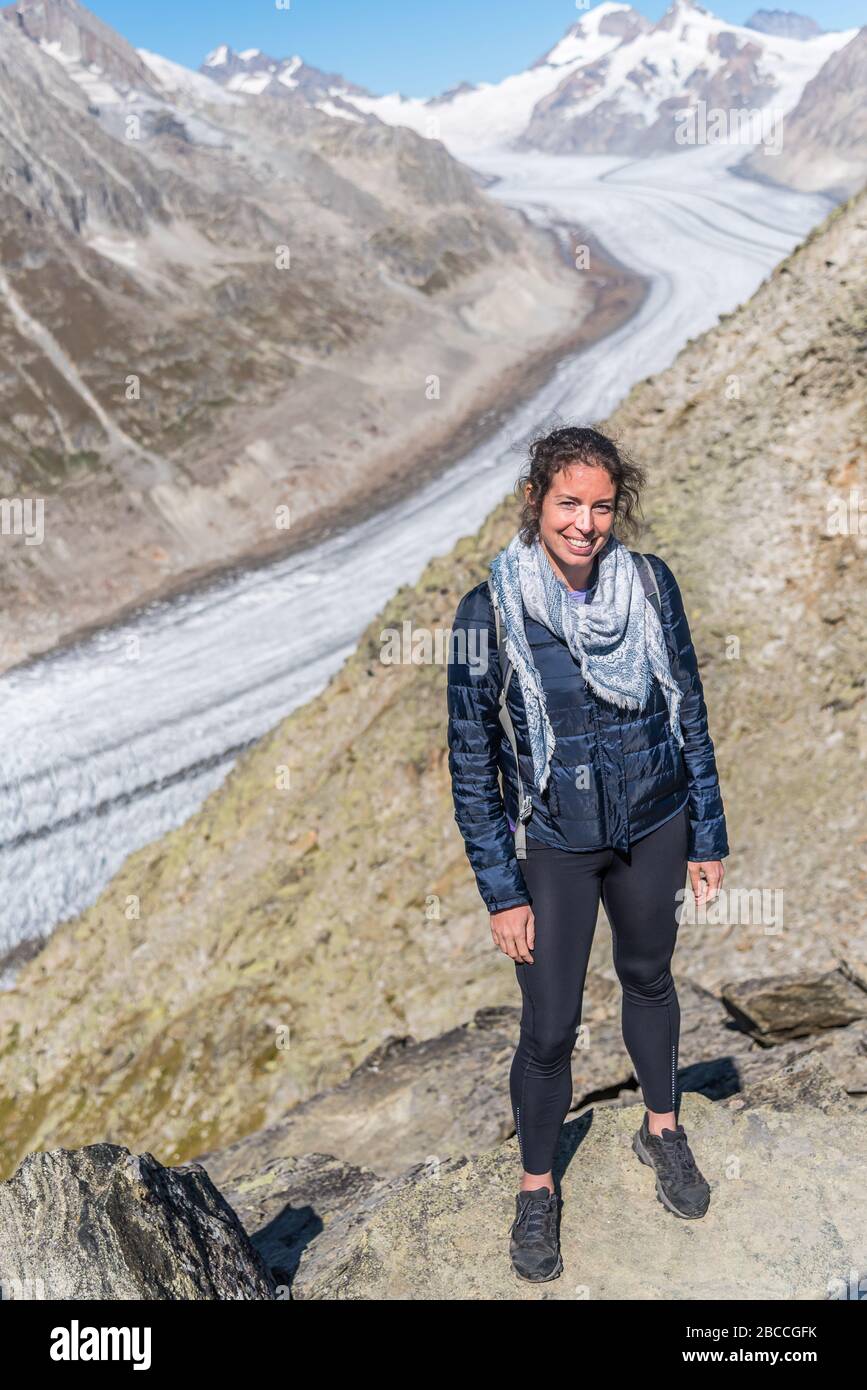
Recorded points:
(550, 453)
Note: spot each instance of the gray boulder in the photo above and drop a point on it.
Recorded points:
(103, 1223)
(774, 1008)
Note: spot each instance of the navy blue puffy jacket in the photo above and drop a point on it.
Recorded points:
(615, 773)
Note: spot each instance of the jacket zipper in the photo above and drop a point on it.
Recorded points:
(601, 760)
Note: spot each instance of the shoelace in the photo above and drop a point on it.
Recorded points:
(544, 1211)
(678, 1151)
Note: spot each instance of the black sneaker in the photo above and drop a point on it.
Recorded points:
(679, 1184)
(534, 1247)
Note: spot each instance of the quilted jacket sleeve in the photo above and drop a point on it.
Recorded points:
(707, 824)
(474, 734)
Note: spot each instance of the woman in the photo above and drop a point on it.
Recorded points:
(614, 796)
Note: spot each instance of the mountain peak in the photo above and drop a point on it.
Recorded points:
(783, 24)
(680, 10)
(598, 30)
(253, 73)
(219, 57)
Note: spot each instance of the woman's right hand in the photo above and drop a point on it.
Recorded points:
(514, 931)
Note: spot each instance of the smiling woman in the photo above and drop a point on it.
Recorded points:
(573, 511)
(606, 723)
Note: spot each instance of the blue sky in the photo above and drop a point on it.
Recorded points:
(414, 45)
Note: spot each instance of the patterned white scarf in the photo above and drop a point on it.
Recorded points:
(617, 638)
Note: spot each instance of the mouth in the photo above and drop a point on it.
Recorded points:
(579, 547)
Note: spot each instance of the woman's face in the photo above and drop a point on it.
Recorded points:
(576, 519)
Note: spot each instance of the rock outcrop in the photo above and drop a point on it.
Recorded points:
(82, 39)
(411, 1103)
(773, 1010)
(104, 1223)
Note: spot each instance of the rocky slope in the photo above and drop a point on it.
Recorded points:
(786, 1219)
(296, 923)
(339, 1197)
(94, 53)
(200, 319)
(825, 137)
(348, 1175)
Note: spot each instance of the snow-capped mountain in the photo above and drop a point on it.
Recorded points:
(497, 114)
(615, 83)
(628, 103)
(253, 73)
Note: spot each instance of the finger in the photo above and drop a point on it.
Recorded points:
(531, 931)
(524, 951)
(517, 943)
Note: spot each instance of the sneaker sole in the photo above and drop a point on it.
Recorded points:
(644, 1156)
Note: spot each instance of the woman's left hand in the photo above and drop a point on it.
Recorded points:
(706, 876)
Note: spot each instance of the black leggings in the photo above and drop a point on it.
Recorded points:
(638, 890)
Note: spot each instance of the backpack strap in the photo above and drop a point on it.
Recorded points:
(525, 802)
(648, 579)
